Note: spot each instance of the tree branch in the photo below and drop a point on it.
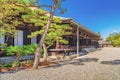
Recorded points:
(50, 45)
(33, 5)
(45, 6)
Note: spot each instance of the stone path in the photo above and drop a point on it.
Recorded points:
(99, 65)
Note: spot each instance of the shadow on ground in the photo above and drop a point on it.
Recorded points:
(18, 69)
(112, 62)
(61, 63)
(80, 61)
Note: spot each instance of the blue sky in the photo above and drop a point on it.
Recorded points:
(97, 15)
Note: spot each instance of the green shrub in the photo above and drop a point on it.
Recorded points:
(29, 49)
(15, 50)
(8, 65)
(27, 62)
(20, 51)
(16, 63)
(2, 46)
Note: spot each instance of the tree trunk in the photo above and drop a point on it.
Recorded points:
(45, 52)
(7, 37)
(57, 45)
(39, 48)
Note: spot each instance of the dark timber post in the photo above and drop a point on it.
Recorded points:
(77, 40)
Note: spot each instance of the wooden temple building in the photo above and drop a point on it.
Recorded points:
(85, 37)
(80, 38)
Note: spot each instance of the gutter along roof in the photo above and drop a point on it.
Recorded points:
(70, 20)
(83, 28)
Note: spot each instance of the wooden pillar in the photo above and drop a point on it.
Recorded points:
(86, 42)
(26, 40)
(77, 41)
(90, 42)
(57, 45)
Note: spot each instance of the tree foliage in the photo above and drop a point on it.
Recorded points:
(56, 31)
(99, 34)
(10, 14)
(56, 4)
(14, 13)
(114, 38)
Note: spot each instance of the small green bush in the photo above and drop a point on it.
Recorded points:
(2, 46)
(29, 49)
(15, 50)
(16, 63)
(20, 51)
(27, 62)
(9, 65)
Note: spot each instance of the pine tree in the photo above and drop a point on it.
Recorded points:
(56, 4)
(16, 13)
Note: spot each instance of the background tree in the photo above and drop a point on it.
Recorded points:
(114, 38)
(99, 34)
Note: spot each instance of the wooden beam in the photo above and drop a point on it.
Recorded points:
(77, 41)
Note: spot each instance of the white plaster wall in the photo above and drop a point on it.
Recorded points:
(33, 40)
(2, 40)
(18, 40)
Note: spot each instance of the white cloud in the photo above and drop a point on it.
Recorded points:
(105, 32)
(115, 31)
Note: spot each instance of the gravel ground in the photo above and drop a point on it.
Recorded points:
(99, 65)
